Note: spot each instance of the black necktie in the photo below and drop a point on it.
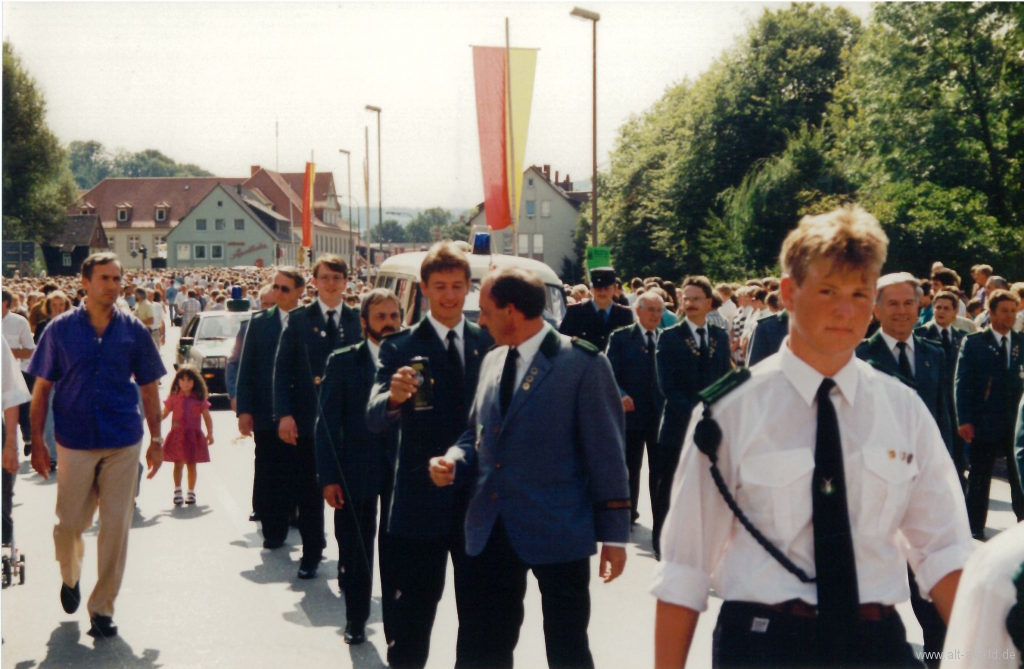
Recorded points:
(453, 352)
(835, 565)
(508, 379)
(1005, 351)
(652, 354)
(331, 329)
(946, 343)
(904, 361)
(703, 357)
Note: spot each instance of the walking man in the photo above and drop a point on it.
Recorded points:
(89, 357)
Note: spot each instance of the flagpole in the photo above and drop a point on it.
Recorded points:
(511, 145)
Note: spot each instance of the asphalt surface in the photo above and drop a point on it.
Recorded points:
(200, 591)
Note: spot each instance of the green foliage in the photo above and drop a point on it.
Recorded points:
(91, 164)
(388, 231)
(455, 231)
(37, 185)
(422, 228)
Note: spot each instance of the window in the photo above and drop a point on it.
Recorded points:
(524, 244)
(184, 251)
(110, 242)
(530, 208)
(545, 208)
(161, 215)
(217, 251)
(134, 242)
(506, 243)
(199, 252)
(66, 260)
(538, 247)
(529, 182)
(239, 224)
(201, 224)
(219, 224)
(122, 215)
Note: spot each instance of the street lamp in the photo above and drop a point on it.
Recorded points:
(593, 17)
(380, 196)
(351, 239)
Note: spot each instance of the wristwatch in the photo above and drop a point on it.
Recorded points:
(159, 441)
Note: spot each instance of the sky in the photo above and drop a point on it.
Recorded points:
(205, 83)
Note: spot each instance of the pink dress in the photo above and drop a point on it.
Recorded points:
(185, 442)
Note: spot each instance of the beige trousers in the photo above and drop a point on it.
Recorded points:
(87, 480)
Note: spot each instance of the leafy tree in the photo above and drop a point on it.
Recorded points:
(37, 185)
(91, 164)
(455, 231)
(389, 231)
(422, 228)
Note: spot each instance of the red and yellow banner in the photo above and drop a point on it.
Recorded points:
(500, 98)
(307, 206)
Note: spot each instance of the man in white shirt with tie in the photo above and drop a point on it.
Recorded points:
(832, 464)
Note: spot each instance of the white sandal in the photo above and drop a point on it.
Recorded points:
(178, 499)
(190, 498)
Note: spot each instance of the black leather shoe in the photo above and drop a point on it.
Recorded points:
(355, 635)
(103, 627)
(27, 450)
(272, 544)
(307, 568)
(70, 598)
(254, 517)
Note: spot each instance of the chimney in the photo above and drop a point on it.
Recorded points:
(253, 170)
(556, 177)
(239, 187)
(547, 172)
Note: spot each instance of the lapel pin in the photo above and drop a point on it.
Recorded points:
(903, 455)
(892, 454)
(910, 458)
(475, 353)
(826, 487)
(323, 334)
(316, 329)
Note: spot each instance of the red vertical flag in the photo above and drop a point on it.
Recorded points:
(307, 206)
(489, 74)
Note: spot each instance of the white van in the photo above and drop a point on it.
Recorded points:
(401, 273)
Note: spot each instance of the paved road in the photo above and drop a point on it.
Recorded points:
(200, 591)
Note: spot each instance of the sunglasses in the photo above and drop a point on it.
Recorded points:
(283, 289)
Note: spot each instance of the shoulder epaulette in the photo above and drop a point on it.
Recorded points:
(585, 345)
(930, 342)
(621, 328)
(342, 351)
(724, 385)
(970, 335)
(902, 379)
(396, 334)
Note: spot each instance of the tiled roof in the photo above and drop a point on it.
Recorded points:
(322, 184)
(278, 188)
(180, 194)
(78, 232)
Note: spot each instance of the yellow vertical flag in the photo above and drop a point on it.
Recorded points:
(523, 65)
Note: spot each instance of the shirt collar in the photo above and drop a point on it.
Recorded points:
(694, 326)
(999, 337)
(892, 341)
(442, 330)
(324, 309)
(599, 309)
(284, 316)
(528, 349)
(644, 331)
(806, 379)
(374, 352)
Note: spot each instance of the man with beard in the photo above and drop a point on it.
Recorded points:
(254, 403)
(354, 466)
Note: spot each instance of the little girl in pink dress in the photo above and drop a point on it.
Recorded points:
(186, 444)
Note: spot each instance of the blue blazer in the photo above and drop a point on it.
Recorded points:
(419, 509)
(932, 378)
(635, 375)
(987, 393)
(554, 468)
(301, 358)
(767, 338)
(679, 363)
(347, 453)
(254, 384)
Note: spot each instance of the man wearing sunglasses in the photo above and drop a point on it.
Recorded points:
(254, 401)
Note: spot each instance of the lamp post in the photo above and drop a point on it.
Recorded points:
(594, 17)
(380, 195)
(351, 239)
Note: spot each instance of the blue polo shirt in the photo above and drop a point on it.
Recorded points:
(95, 402)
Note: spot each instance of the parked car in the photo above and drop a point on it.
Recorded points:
(401, 273)
(206, 344)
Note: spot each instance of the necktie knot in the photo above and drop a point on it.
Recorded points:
(330, 315)
(452, 336)
(701, 331)
(825, 389)
(902, 346)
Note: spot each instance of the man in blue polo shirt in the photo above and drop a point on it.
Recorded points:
(88, 357)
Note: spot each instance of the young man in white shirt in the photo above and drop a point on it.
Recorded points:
(833, 464)
(18, 333)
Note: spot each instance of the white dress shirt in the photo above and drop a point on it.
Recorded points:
(18, 334)
(977, 626)
(527, 351)
(374, 352)
(693, 331)
(900, 479)
(442, 332)
(999, 346)
(891, 343)
(15, 390)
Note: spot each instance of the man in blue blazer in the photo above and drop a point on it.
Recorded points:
(767, 337)
(632, 350)
(354, 466)
(426, 522)
(254, 406)
(544, 457)
(691, 356)
(989, 385)
(312, 332)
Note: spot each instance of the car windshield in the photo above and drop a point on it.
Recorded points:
(221, 327)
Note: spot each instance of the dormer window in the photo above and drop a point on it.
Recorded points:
(160, 214)
(122, 215)
(124, 212)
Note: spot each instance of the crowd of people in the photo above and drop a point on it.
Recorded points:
(820, 445)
